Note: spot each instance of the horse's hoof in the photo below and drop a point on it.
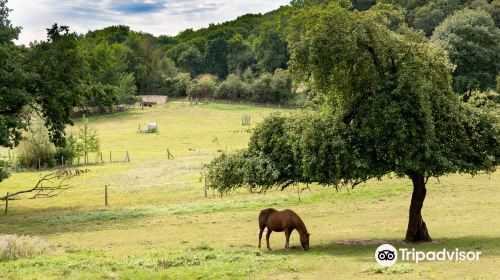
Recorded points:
(269, 249)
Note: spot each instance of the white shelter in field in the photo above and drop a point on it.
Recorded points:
(150, 100)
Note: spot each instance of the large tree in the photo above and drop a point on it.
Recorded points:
(388, 108)
(271, 50)
(427, 16)
(56, 79)
(473, 44)
(13, 79)
(43, 78)
(216, 55)
(240, 54)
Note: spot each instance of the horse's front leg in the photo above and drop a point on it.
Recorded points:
(268, 234)
(287, 236)
(260, 235)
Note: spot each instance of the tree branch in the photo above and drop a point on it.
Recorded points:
(287, 185)
(55, 183)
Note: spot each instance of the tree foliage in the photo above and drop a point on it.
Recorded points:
(44, 77)
(473, 44)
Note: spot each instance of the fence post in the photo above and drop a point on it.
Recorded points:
(106, 195)
(102, 161)
(6, 203)
(110, 161)
(206, 189)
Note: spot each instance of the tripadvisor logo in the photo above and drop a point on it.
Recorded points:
(387, 255)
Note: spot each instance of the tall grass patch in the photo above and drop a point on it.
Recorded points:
(16, 247)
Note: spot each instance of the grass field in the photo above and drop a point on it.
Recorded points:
(159, 225)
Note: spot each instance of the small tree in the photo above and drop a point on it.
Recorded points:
(88, 140)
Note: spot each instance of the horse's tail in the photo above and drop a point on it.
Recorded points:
(264, 214)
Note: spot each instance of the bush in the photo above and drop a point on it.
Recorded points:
(233, 88)
(205, 86)
(281, 86)
(179, 85)
(68, 152)
(273, 88)
(36, 146)
(14, 247)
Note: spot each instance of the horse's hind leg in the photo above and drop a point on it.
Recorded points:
(260, 235)
(267, 238)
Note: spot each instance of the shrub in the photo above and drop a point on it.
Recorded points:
(205, 86)
(14, 247)
(233, 88)
(36, 146)
(179, 84)
(68, 152)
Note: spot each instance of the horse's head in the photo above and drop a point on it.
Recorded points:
(304, 240)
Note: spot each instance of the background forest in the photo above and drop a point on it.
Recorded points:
(246, 59)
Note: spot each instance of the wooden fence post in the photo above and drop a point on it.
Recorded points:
(110, 161)
(106, 195)
(206, 189)
(6, 203)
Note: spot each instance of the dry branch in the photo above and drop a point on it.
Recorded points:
(50, 184)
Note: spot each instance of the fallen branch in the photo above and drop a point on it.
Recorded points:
(50, 185)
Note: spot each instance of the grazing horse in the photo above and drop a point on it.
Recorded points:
(280, 221)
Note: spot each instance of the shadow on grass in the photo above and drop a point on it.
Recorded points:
(71, 221)
(362, 249)
(110, 117)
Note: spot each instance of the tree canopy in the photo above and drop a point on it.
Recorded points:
(473, 44)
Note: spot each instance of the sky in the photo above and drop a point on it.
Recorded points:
(158, 17)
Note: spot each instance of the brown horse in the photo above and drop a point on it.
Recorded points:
(280, 221)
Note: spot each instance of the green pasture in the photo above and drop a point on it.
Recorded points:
(159, 225)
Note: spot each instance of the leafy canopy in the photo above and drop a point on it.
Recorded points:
(388, 107)
(473, 44)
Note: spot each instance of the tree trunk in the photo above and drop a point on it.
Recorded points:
(417, 230)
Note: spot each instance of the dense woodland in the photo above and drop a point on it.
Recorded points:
(245, 59)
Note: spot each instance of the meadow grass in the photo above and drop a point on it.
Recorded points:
(159, 225)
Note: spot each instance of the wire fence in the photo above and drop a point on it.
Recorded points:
(106, 188)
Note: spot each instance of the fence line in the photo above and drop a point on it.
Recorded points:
(135, 186)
